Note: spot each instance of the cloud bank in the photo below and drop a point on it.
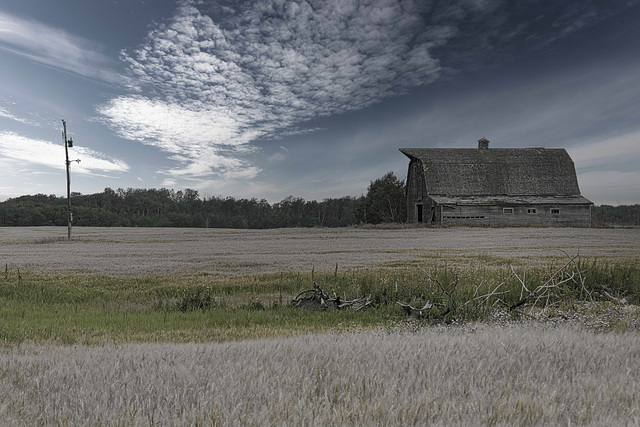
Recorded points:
(220, 75)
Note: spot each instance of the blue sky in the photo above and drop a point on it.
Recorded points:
(313, 99)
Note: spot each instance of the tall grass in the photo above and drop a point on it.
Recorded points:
(76, 308)
(472, 375)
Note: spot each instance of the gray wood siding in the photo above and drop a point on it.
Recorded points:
(567, 215)
(416, 190)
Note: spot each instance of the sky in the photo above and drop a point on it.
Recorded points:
(271, 98)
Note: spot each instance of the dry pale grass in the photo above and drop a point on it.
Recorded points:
(145, 251)
(472, 375)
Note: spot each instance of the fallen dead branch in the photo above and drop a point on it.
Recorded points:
(317, 299)
(447, 291)
(568, 279)
(416, 313)
(446, 294)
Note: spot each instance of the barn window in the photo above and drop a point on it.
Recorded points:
(532, 210)
(507, 211)
(555, 211)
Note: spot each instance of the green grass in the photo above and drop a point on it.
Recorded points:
(76, 308)
(70, 325)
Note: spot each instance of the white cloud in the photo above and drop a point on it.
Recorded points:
(200, 141)
(169, 182)
(625, 148)
(610, 187)
(55, 47)
(257, 71)
(220, 75)
(608, 170)
(172, 127)
(28, 152)
(277, 157)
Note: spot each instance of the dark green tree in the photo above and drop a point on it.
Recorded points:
(385, 201)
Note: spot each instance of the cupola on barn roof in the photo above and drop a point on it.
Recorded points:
(483, 143)
(496, 176)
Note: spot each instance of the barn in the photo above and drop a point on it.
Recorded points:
(494, 186)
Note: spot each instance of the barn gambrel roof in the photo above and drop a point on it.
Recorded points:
(456, 172)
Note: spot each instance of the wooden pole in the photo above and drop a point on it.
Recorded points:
(66, 152)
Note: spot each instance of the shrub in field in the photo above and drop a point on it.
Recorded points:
(189, 298)
(256, 304)
(198, 298)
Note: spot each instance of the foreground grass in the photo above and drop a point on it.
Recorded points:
(68, 325)
(472, 375)
(91, 309)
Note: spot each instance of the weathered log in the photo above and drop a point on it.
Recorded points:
(356, 304)
(417, 313)
(317, 299)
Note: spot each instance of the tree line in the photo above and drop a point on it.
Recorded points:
(622, 215)
(384, 202)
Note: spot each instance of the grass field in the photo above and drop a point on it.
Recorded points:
(528, 326)
(221, 252)
(473, 375)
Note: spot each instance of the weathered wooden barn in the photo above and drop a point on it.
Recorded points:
(494, 186)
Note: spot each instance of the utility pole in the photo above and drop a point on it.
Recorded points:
(68, 143)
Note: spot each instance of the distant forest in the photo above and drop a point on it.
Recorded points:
(384, 203)
(623, 215)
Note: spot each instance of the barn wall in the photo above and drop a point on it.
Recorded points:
(416, 191)
(568, 215)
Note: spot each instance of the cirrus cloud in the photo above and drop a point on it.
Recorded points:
(29, 152)
(6, 114)
(55, 47)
